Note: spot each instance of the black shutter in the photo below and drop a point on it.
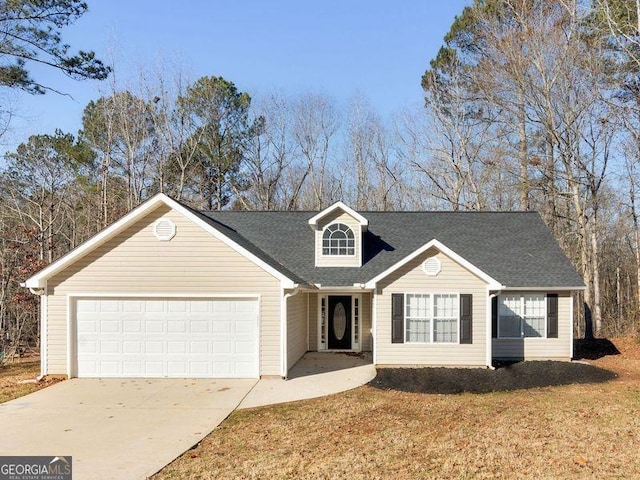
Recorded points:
(494, 317)
(552, 315)
(397, 318)
(466, 317)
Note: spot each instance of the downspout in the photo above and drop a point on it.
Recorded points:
(42, 293)
(374, 324)
(283, 332)
(571, 298)
(44, 334)
(489, 333)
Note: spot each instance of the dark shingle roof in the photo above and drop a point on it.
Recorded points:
(514, 248)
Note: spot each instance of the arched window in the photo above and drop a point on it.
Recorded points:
(338, 239)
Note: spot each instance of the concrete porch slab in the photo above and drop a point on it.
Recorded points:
(316, 374)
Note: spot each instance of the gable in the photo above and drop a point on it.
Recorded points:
(39, 279)
(135, 259)
(338, 216)
(338, 206)
(411, 276)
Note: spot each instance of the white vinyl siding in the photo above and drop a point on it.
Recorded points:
(540, 348)
(411, 278)
(312, 321)
(192, 263)
(296, 328)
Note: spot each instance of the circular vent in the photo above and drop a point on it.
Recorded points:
(164, 229)
(432, 266)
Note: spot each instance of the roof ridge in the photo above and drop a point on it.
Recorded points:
(215, 212)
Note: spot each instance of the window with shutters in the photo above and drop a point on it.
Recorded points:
(522, 316)
(432, 318)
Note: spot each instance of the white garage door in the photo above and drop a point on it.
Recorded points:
(180, 338)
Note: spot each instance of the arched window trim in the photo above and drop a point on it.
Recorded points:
(338, 247)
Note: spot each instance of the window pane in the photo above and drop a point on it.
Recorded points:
(534, 305)
(534, 326)
(418, 318)
(445, 309)
(338, 239)
(445, 330)
(509, 327)
(534, 315)
(510, 306)
(445, 306)
(418, 306)
(418, 330)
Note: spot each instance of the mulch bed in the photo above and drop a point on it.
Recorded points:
(516, 376)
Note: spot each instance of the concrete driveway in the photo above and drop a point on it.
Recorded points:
(118, 428)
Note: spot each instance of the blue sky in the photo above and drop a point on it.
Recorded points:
(376, 48)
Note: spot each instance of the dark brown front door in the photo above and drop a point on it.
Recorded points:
(339, 322)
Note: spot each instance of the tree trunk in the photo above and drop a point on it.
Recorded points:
(522, 147)
(597, 310)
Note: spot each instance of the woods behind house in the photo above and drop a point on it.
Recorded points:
(529, 105)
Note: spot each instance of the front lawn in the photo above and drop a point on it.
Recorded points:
(13, 374)
(568, 431)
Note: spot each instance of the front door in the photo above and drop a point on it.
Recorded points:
(339, 322)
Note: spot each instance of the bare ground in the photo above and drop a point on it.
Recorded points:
(14, 375)
(576, 430)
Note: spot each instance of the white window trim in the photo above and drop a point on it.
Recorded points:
(431, 342)
(355, 242)
(522, 336)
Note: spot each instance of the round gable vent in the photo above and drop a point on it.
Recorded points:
(432, 266)
(164, 229)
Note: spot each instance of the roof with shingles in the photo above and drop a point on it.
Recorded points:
(514, 248)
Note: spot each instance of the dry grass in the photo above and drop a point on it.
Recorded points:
(574, 431)
(13, 373)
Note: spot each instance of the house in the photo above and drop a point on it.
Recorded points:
(167, 291)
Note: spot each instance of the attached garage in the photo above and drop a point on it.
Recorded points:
(166, 337)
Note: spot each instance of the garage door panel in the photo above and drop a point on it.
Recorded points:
(88, 347)
(154, 326)
(176, 326)
(132, 306)
(167, 338)
(132, 368)
(108, 325)
(199, 347)
(154, 347)
(132, 347)
(199, 326)
(132, 325)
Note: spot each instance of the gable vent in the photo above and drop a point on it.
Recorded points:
(164, 229)
(432, 266)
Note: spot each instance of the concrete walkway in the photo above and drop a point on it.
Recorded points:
(131, 428)
(117, 428)
(315, 375)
